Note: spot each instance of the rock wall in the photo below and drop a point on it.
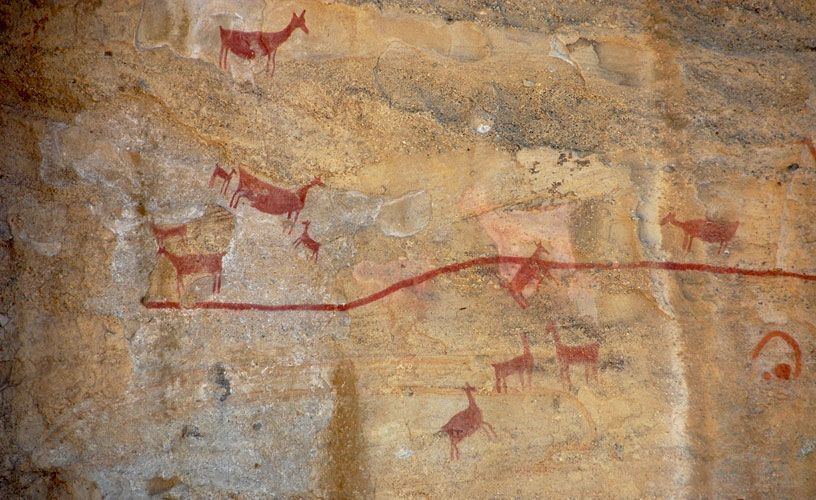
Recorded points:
(407, 249)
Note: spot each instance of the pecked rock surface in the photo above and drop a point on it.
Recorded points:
(222, 282)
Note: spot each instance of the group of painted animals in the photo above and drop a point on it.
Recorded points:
(270, 199)
(470, 420)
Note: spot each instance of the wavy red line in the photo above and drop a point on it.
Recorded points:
(485, 261)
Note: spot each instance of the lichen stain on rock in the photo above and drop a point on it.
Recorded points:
(344, 474)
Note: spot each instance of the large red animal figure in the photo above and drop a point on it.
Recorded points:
(705, 229)
(465, 423)
(249, 44)
(586, 354)
(188, 265)
(520, 364)
(271, 199)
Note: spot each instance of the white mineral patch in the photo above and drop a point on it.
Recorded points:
(406, 215)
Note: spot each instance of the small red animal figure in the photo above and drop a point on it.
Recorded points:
(307, 240)
(520, 364)
(162, 233)
(782, 370)
(530, 272)
(220, 173)
(567, 355)
(465, 423)
(271, 199)
(248, 44)
(188, 265)
(705, 229)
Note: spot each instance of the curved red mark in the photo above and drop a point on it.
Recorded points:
(488, 261)
(782, 371)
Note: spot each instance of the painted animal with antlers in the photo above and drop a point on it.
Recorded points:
(249, 44)
(466, 423)
(522, 365)
(707, 230)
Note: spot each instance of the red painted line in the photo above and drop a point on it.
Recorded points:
(486, 261)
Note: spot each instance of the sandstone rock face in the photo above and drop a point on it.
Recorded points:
(258, 249)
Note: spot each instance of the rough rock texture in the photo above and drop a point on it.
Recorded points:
(222, 282)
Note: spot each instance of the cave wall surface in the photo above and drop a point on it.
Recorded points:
(407, 249)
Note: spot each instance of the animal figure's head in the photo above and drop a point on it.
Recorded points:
(317, 181)
(299, 21)
(468, 388)
(668, 218)
(306, 223)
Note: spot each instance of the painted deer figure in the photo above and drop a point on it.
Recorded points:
(567, 355)
(520, 364)
(248, 44)
(220, 173)
(531, 271)
(163, 233)
(705, 229)
(465, 423)
(307, 240)
(188, 265)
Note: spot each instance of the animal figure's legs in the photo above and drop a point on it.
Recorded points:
(492, 430)
(236, 197)
(530, 377)
(274, 52)
(178, 286)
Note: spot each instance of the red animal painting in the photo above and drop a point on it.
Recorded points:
(567, 355)
(781, 370)
(705, 229)
(189, 265)
(520, 364)
(220, 173)
(271, 199)
(465, 423)
(307, 240)
(250, 44)
(164, 233)
(531, 272)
